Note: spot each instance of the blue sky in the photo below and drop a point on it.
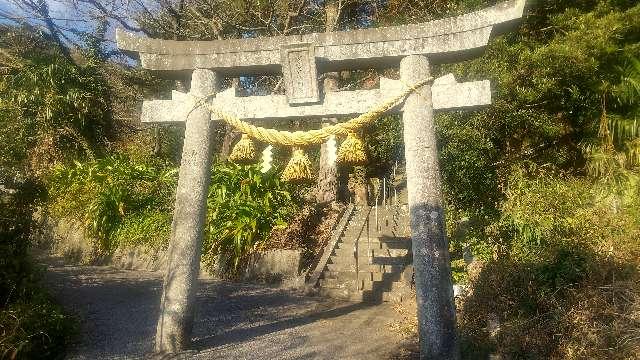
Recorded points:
(64, 14)
(58, 9)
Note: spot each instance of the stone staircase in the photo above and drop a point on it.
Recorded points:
(372, 259)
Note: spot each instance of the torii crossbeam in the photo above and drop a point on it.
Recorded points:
(299, 59)
(447, 95)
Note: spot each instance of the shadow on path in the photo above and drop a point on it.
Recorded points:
(244, 334)
(119, 310)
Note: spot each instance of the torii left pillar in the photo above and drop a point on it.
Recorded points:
(177, 305)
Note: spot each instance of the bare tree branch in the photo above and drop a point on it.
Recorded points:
(96, 4)
(40, 8)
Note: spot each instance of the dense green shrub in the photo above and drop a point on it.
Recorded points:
(574, 304)
(120, 200)
(547, 183)
(124, 202)
(244, 205)
(50, 109)
(563, 280)
(558, 79)
(32, 326)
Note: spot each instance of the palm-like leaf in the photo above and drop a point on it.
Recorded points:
(244, 206)
(628, 91)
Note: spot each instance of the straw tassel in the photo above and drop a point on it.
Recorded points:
(244, 152)
(298, 169)
(351, 151)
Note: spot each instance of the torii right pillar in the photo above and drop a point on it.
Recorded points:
(434, 288)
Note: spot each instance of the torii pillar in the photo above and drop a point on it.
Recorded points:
(177, 302)
(436, 309)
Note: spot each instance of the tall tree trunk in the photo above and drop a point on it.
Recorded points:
(327, 186)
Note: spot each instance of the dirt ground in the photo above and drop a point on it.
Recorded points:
(118, 310)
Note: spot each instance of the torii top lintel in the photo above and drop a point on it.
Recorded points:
(445, 40)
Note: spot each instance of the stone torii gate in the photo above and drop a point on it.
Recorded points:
(299, 59)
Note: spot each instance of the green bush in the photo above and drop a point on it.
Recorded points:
(244, 206)
(35, 327)
(51, 110)
(572, 304)
(32, 326)
(119, 200)
(563, 281)
(544, 211)
(124, 202)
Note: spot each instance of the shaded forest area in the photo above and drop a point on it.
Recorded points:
(542, 187)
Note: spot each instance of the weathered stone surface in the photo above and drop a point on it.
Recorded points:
(299, 73)
(65, 238)
(183, 264)
(447, 95)
(328, 250)
(140, 258)
(434, 291)
(274, 265)
(443, 40)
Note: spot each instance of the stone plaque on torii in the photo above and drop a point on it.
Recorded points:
(300, 58)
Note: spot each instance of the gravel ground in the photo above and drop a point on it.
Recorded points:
(118, 310)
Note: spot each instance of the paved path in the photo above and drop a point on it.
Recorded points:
(119, 308)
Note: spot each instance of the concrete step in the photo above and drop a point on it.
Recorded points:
(363, 283)
(364, 259)
(388, 246)
(393, 242)
(388, 233)
(372, 227)
(364, 295)
(384, 252)
(343, 294)
(349, 251)
(382, 222)
(340, 283)
(351, 275)
(386, 284)
(351, 267)
(366, 268)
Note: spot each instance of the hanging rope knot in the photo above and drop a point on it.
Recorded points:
(244, 152)
(415, 88)
(311, 137)
(298, 169)
(352, 151)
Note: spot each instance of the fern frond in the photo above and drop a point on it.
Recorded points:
(600, 163)
(633, 152)
(628, 91)
(623, 128)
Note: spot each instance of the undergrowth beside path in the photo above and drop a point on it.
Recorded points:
(123, 202)
(32, 324)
